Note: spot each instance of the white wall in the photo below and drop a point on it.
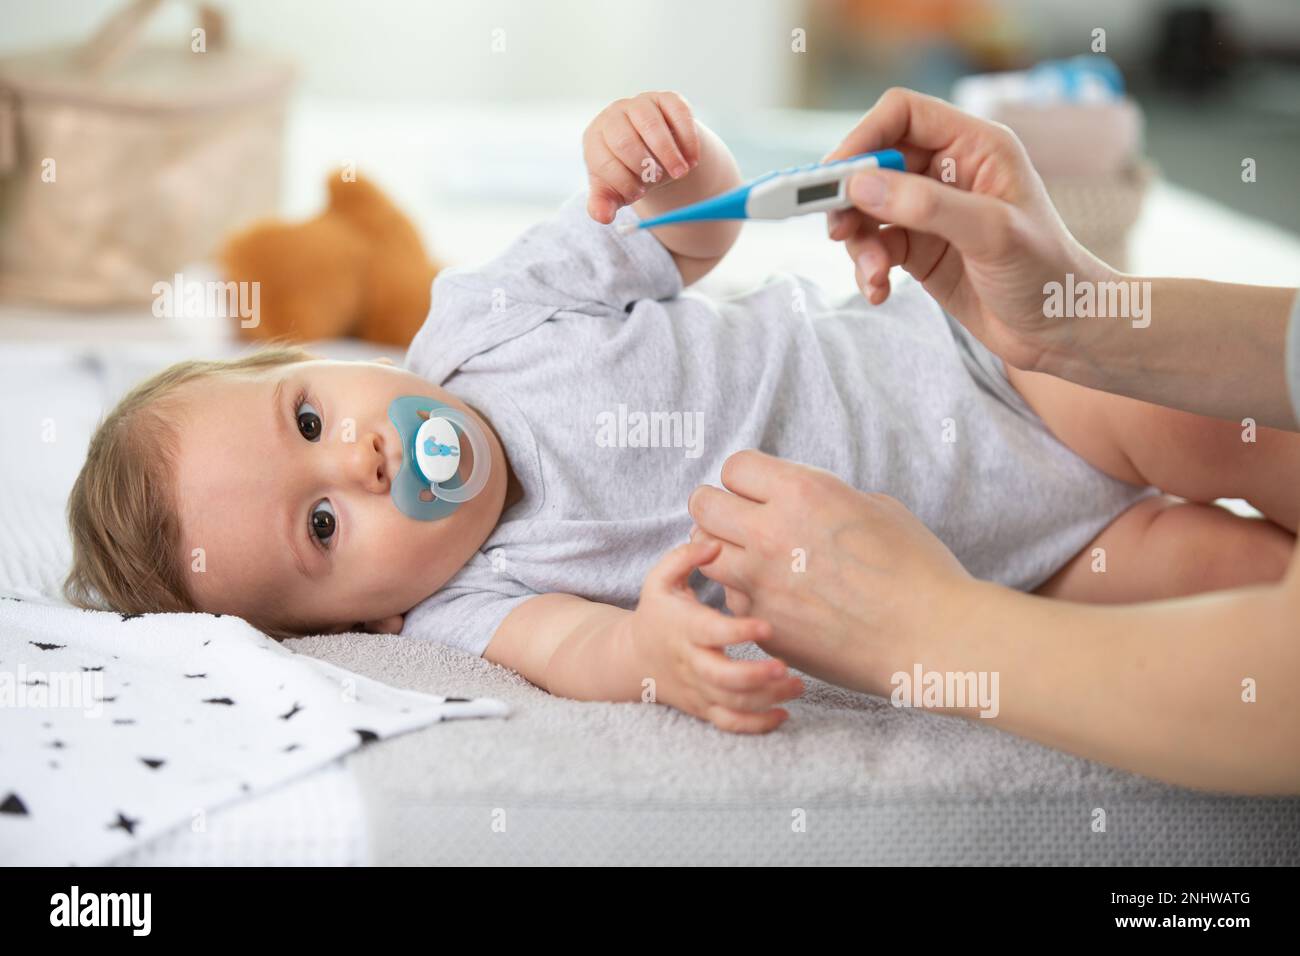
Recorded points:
(729, 53)
(723, 54)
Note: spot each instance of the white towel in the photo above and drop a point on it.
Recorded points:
(114, 729)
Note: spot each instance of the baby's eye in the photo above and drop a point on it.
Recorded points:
(322, 521)
(309, 423)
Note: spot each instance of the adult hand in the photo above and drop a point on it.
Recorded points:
(853, 584)
(976, 228)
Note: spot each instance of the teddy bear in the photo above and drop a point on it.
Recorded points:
(358, 269)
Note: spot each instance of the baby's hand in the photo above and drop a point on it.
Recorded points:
(681, 641)
(630, 143)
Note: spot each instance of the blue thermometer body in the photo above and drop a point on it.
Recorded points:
(817, 187)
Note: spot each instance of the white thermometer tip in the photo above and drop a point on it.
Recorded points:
(626, 228)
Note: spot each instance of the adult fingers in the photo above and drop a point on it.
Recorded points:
(725, 516)
(923, 124)
(887, 247)
(975, 224)
(842, 223)
(867, 249)
(738, 602)
(729, 569)
(918, 253)
(761, 477)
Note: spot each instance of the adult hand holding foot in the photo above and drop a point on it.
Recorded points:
(857, 589)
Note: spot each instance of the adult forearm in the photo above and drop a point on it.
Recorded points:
(1212, 348)
(716, 172)
(1199, 692)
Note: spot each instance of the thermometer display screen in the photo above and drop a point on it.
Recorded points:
(821, 191)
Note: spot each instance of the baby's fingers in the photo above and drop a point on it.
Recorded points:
(603, 203)
(719, 671)
(625, 144)
(736, 722)
(710, 628)
(650, 123)
(674, 569)
(611, 184)
(757, 699)
(680, 118)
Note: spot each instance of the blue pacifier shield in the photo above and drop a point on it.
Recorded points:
(431, 456)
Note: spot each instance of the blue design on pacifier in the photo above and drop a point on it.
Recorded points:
(431, 457)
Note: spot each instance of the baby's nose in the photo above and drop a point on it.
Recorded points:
(371, 465)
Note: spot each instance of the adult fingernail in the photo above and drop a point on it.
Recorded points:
(867, 189)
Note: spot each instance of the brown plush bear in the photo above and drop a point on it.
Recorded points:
(358, 269)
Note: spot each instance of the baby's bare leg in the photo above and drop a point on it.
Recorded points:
(1188, 455)
(1164, 548)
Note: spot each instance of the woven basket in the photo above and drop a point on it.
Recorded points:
(1100, 211)
(119, 167)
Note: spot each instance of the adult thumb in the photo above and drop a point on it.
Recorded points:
(969, 221)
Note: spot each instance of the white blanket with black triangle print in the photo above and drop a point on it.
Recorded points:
(115, 729)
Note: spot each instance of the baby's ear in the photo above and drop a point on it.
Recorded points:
(389, 625)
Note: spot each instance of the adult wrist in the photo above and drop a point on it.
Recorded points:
(1082, 346)
(952, 651)
(956, 610)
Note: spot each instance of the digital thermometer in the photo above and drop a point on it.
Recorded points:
(817, 187)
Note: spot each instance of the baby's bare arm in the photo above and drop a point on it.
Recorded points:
(699, 246)
(670, 650)
(570, 647)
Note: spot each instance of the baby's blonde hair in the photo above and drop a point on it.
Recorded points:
(122, 511)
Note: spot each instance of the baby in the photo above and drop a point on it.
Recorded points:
(596, 396)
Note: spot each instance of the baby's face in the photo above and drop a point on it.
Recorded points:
(283, 480)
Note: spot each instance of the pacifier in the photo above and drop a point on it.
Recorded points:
(427, 486)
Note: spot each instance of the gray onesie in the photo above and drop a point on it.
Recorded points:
(615, 393)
